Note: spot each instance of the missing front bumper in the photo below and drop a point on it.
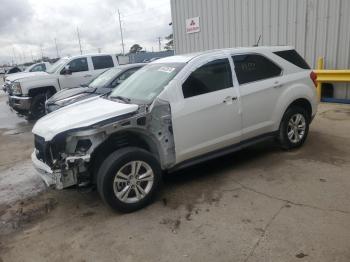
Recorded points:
(53, 178)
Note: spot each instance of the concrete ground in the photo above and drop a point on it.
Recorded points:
(259, 204)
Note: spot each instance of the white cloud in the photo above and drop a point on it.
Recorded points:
(25, 25)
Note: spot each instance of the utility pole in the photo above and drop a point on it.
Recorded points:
(31, 53)
(81, 52)
(14, 55)
(56, 48)
(99, 50)
(159, 43)
(121, 32)
(42, 54)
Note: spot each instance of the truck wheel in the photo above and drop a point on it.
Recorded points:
(128, 179)
(294, 127)
(37, 108)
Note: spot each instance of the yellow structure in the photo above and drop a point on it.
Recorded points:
(329, 76)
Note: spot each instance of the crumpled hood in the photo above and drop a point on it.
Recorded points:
(21, 75)
(66, 93)
(81, 114)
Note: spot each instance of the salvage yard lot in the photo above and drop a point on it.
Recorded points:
(259, 204)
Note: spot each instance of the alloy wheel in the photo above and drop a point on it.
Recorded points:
(133, 181)
(296, 128)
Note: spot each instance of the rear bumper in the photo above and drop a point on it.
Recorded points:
(53, 178)
(20, 103)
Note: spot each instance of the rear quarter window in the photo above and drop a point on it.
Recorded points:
(101, 62)
(293, 57)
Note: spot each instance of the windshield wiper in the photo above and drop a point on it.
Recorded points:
(122, 98)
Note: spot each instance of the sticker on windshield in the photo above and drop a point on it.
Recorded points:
(166, 69)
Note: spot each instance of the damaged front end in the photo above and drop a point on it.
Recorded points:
(67, 159)
(63, 162)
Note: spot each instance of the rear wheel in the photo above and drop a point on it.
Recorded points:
(294, 127)
(129, 179)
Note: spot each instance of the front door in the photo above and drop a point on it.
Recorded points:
(208, 118)
(80, 74)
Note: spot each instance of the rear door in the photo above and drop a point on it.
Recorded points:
(207, 118)
(260, 85)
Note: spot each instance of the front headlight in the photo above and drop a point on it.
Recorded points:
(16, 88)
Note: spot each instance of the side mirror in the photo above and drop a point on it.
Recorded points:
(66, 70)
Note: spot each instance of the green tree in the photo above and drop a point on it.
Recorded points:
(170, 44)
(135, 49)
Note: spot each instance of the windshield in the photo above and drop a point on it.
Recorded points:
(57, 65)
(148, 82)
(29, 67)
(104, 78)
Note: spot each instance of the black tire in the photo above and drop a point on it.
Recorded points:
(114, 163)
(286, 142)
(37, 108)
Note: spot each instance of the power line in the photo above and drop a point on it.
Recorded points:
(121, 32)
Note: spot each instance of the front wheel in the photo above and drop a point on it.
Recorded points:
(37, 108)
(128, 179)
(294, 127)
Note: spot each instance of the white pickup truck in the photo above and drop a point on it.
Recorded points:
(173, 113)
(28, 93)
(38, 67)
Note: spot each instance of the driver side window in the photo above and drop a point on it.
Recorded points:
(213, 76)
(78, 65)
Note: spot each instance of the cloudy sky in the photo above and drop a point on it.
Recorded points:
(28, 25)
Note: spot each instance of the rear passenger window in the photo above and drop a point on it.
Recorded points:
(213, 76)
(101, 62)
(252, 67)
(78, 65)
(293, 57)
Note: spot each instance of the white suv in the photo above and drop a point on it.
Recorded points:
(173, 113)
(28, 93)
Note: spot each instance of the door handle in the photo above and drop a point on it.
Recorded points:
(229, 99)
(87, 75)
(277, 85)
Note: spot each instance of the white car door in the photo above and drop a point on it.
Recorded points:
(207, 117)
(260, 85)
(79, 73)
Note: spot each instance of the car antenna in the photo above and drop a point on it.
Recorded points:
(257, 43)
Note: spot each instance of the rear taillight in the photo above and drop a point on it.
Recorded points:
(313, 77)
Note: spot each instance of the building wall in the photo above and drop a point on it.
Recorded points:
(314, 27)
